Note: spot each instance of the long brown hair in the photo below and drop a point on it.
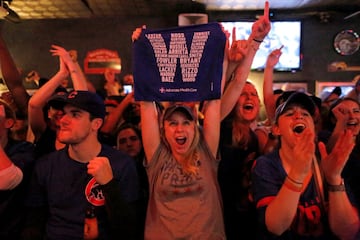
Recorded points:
(240, 134)
(240, 129)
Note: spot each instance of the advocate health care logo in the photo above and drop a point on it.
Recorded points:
(94, 194)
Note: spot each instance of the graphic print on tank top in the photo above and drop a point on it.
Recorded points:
(174, 182)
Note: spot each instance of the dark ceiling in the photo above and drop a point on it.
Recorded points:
(49, 9)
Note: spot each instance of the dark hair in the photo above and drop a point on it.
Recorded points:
(278, 91)
(127, 125)
(137, 131)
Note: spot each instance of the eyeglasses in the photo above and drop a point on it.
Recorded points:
(131, 138)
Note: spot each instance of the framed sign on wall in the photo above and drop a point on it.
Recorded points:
(98, 60)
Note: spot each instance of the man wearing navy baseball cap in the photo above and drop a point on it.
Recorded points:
(84, 179)
(85, 100)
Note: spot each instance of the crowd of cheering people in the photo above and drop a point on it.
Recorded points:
(96, 164)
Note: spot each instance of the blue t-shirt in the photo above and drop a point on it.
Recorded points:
(311, 220)
(64, 186)
(21, 153)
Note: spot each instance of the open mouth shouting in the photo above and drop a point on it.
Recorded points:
(299, 128)
(180, 140)
(352, 124)
(248, 106)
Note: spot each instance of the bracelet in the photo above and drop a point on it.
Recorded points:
(294, 181)
(258, 41)
(337, 188)
(296, 187)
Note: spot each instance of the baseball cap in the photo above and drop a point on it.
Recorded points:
(283, 97)
(178, 108)
(296, 98)
(85, 100)
(57, 99)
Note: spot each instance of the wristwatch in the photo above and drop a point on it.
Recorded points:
(337, 188)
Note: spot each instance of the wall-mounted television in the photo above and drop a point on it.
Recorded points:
(282, 33)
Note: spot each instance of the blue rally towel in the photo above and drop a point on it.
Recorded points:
(179, 64)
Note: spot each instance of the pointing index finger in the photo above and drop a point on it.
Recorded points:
(233, 34)
(266, 10)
